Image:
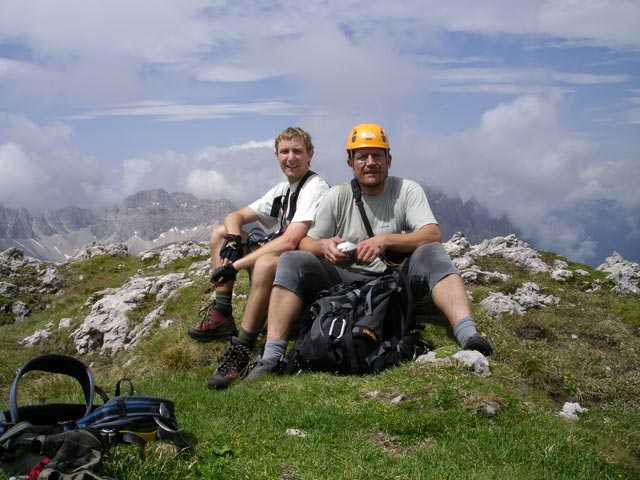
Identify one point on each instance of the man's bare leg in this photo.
(256, 308)
(450, 296)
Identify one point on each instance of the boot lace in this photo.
(234, 359)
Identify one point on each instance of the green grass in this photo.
(586, 350)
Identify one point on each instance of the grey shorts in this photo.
(305, 274)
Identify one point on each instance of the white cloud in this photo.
(168, 111)
(159, 31)
(229, 73)
(134, 171)
(240, 173)
(202, 182)
(519, 161)
(40, 168)
(20, 175)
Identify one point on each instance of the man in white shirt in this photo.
(286, 212)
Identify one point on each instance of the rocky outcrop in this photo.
(528, 296)
(625, 275)
(525, 298)
(94, 249)
(19, 276)
(171, 253)
(513, 250)
(109, 328)
(106, 329)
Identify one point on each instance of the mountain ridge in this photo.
(142, 221)
(155, 218)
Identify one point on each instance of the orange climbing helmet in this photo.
(367, 135)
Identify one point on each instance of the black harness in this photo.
(279, 208)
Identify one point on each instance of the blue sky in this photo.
(533, 108)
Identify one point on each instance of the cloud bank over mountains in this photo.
(532, 108)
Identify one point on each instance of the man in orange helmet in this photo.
(400, 222)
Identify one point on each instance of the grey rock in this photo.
(107, 330)
(514, 250)
(8, 290)
(525, 298)
(39, 337)
(176, 251)
(474, 361)
(19, 311)
(570, 411)
(94, 249)
(625, 274)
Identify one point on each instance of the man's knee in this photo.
(296, 260)
(432, 263)
(265, 267)
(292, 268)
(217, 235)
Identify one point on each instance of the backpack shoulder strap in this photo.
(55, 363)
(357, 196)
(294, 196)
(280, 203)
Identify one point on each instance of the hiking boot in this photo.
(260, 368)
(479, 343)
(234, 361)
(215, 325)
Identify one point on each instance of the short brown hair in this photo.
(293, 132)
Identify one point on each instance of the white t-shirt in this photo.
(306, 206)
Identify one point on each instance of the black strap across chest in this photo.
(357, 196)
(280, 203)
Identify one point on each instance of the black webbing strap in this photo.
(357, 196)
(280, 203)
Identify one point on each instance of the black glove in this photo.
(232, 247)
(224, 274)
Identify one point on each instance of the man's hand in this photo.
(330, 252)
(224, 274)
(231, 248)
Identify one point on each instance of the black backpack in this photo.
(129, 418)
(359, 328)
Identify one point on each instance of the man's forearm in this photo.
(408, 242)
(284, 243)
(309, 244)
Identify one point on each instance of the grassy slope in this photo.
(586, 350)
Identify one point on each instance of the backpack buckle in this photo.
(342, 327)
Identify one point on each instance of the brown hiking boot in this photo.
(232, 363)
(215, 325)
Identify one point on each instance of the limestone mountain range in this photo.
(155, 218)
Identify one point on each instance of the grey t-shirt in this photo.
(401, 207)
